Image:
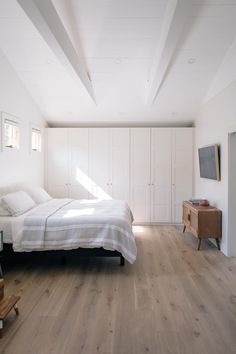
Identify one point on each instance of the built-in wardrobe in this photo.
(150, 168)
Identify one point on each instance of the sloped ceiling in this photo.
(118, 41)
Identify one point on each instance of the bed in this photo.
(104, 226)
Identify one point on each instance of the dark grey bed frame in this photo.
(81, 252)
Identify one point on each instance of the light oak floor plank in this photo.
(173, 300)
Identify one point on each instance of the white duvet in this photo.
(70, 224)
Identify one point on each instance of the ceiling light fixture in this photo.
(191, 60)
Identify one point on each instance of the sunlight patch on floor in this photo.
(138, 229)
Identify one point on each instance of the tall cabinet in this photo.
(140, 173)
(161, 168)
(120, 166)
(161, 173)
(150, 168)
(80, 184)
(182, 170)
(109, 162)
(57, 162)
(68, 163)
(99, 162)
(88, 163)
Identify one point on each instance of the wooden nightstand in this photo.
(1, 249)
(7, 303)
(203, 221)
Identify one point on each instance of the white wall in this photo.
(19, 166)
(216, 119)
(225, 75)
(232, 194)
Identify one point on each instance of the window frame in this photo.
(6, 117)
(35, 128)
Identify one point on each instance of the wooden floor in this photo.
(172, 300)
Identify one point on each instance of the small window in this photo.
(11, 134)
(36, 137)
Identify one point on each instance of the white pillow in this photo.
(3, 211)
(39, 195)
(18, 203)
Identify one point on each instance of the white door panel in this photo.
(99, 161)
(120, 164)
(80, 181)
(141, 194)
(177, 212)
(160, 212)
(57, 162)
(182, 170)
(59, 191)
(161, 174)
(140, 174)
(183, 154)
(183, 138)
(161, 195)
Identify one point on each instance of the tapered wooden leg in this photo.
(122, 261)
(199, 244)
(1, 327)
(16, 310)
(184, 228)
(218, 243)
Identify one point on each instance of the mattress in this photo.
(6, 227)
(7, 224)
(64, 224)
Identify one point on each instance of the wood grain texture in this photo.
(172, 300)
(7, 304)
(203, 221)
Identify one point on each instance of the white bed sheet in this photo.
(110, 227)
(71, 224)
(6, 227)
(7, 223)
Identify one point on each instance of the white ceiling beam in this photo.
(174, 21)
(43, 15)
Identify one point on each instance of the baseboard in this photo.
(156, 224)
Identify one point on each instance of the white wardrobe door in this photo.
(80, 182)
(140, 174)
(57, 162)
(182, 170)
(161, 153)
(120, 167)
(99, 162)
